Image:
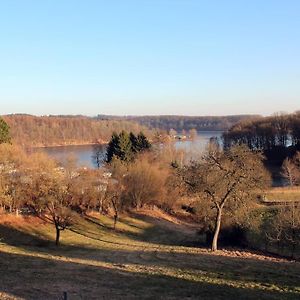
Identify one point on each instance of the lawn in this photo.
(147, 257)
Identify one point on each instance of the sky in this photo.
(149, 57)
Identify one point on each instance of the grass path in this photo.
(144, 259)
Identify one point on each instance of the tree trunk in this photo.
(101, 205)
(57, 236)
(214, 245)
(115, 220)
(116, 214)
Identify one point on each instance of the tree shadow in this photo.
(18, 238)
(156, 234)
(31, 277)
(163, 232)
(216, 267)
(95, 221)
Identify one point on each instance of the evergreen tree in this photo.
(112, 147)
(124, 149)
(124, 146)
(142, 142)
(4, 132)
(120, 147)
(134, 142)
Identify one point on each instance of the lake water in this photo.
(84, 153)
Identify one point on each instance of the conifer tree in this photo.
(142, 142)
(124, 146)
(112, 147)
(4, 132)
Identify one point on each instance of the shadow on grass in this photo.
(95, 221)
(157, 234)
(164, 232)
(202, 264)
(160, 234)
(40, 278)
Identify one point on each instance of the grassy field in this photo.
(148, 257)
(283, 194)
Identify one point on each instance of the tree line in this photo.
(266, 133)
(180, 123)
(30, 130)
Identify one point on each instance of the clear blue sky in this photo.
(149, 57)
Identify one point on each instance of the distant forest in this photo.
(278, 136)
(179, 123)
(28, 130)
(42, 131)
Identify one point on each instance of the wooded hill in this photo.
(278, 136)
(179, 123)
(31, 130)
(265, 133)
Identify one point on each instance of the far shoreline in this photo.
(103, 143)
(65, 145)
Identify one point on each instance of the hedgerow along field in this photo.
(149, 256)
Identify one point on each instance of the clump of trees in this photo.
(265, 133)
(284, 228)
(124, 146)
(277, 229)
(59, 195)
(35, 182)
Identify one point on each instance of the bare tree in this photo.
(226, 179)
(284, 227)
(114, 196)
(290, 171)
(98, 155)
(46, 190)
(193, 133)
(144, 184)
(61, 216)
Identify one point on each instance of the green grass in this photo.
(145, 258)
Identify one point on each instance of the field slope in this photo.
(146, 258)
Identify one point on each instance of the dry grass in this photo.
(283, 194)
(146, 258)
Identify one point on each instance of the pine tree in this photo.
(120, 147)
(112, 148)
(124, 150)
(142, 142)
(134, 142)
(124, 146)
(4, 132)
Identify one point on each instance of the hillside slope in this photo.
(65, 130)
(145, 258)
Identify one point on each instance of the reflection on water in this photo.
(84, 153)
(197, 146)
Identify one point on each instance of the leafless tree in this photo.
(290, 171)
(226, 179)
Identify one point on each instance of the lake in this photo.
(84, 153)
